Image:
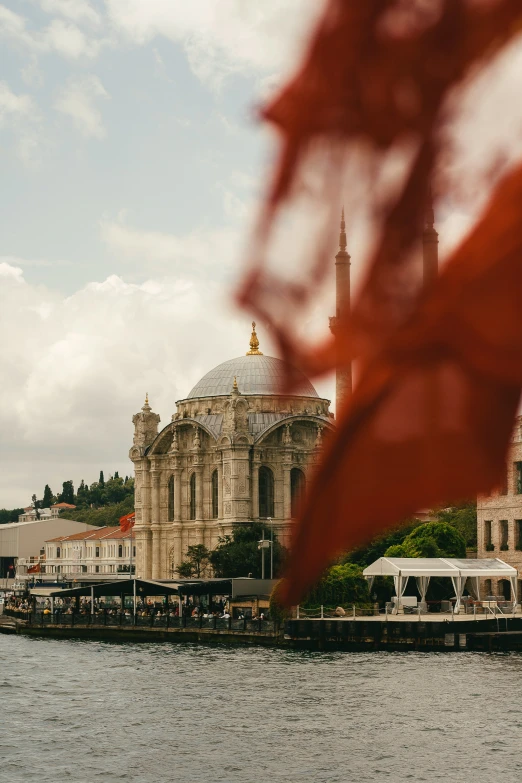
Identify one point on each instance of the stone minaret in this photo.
(430, 246)
(343, 377)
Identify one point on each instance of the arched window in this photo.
(297, 488)
(266, 492)
(171, 499)
(192, 489)
(215, 495)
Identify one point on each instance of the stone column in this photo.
(287, 492)
(156, 551)
(177, 494)
(199, 492)
(176, 543)
(155, 523)
(254, 486)
(220, 489)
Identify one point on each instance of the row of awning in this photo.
(144, 588)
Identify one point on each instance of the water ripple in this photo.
(161, 713)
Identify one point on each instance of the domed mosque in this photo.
(235, 450)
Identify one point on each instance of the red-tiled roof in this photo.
(94, 535)
(63, 505)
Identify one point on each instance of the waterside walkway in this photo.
(398, 632)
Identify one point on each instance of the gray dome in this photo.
(256, 374)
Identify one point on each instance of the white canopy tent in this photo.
(423, 568)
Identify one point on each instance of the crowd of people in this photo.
(149, 607)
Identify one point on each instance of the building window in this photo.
(215, 495)
(120, 550)
(503, 535)
(297, 488)
(97, 551)
(58, 552)
(97, 569)
(518, 533)
(487, 588)
(134, 551)
(192, 491)
(518, 478)
(266, 492)
(488, 543)
(171, 500)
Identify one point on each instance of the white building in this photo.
(102, 550)
(30, 515)
(21, 541)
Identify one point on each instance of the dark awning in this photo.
(144, 587)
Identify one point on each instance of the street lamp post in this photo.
(262, 545)
(271, 548)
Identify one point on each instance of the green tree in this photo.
(341, 584)
(36, 506)
(464, 519)
(432, 539)
(10, 515)
(115, 490)
(82, 495)
(67, 493)
(195, 563)
(365, 556)
(238, 555)
(101, 480)
(48, 498)
(116, 474)
(105, 515)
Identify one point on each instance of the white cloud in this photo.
(20, 114)
(221, 38)
(68, 40)
(75, 369)
(199, 249)
(12, 105)
(62, 37)
(76, 10)
(78, 100)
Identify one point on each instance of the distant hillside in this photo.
(106, 515)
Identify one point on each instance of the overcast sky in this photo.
(130, 166)
(130, 163)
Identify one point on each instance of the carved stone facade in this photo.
(499, 518)
(236, 450)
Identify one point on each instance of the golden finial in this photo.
(146, 406)
(254, 343)
(146, 398)
(235, 383)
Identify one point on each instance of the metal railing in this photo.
(109, 618)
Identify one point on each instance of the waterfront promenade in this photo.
(379, 633)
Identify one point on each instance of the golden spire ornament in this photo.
(254, 343)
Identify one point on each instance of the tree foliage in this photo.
(365, 556)
(105, 515)
(196, 562)
(67, 493)
(341, 584)
(48, 497)
(10, 515)
(464, 519)
(432, 539)
(238, 555)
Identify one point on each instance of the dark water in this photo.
(85, 711)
